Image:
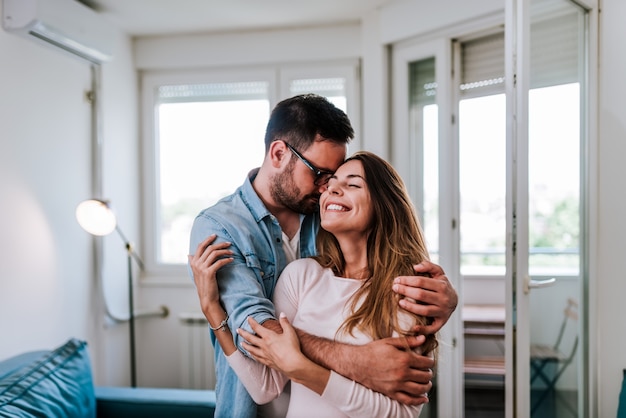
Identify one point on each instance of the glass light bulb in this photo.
(96, 217)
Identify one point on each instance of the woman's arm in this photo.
(356, 400)
(281, 351)
(204, 265)
(262, 383)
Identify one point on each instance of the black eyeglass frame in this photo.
(321, 176)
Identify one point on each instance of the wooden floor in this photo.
(484, 402)
(488, 402)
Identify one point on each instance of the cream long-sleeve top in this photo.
(318, 302)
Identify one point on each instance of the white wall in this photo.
(249, 48)
(48, 290)
(45, 286)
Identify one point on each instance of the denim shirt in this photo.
(247, 284)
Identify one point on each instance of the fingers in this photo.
(414, 393)
(209, 257)
(256, 327)
(260, 331)
(406, 342)
(285, 324)
(249, 337)
(428, 269)
(430, 310)
(431, 284)
(408, 399)
(432, 296)
(432, 328)
(254, 343)
(205, 250)
(422, 364)
(201, 248)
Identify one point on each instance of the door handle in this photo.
(537, 284)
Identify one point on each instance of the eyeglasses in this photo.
(321, 176)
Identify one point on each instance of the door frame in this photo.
(517, 85)
(450, 387)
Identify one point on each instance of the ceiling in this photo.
(169, 17)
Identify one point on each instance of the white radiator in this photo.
(197, 367)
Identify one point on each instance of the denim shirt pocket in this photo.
(265, 270)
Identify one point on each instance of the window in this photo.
(199, 149)
(198, 129)
(554, 147)
(423, 117)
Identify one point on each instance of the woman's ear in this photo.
(279, 153)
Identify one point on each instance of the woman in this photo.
(370, 234)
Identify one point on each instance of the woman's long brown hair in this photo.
(395, 243)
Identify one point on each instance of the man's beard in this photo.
(285, 192)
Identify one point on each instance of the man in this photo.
(273, 219)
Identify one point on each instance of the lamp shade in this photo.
(96, 217)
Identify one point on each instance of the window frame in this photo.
(277, 77)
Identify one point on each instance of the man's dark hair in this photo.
(299, 119)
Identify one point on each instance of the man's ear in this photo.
(279, 154)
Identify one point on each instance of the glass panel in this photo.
(554, 180)
(200, 138)
(482, 172)
(424, 143)
(423, 181)
(482, 229)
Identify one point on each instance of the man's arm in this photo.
(240, 291)
(403, 375)
(429, 294)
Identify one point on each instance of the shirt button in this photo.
(262, 274)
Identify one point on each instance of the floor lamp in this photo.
(96, 217)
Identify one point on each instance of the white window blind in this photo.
(327, 87)
(554, 57)
(213, 92)
(483, 65)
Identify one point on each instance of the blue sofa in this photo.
(58, 383)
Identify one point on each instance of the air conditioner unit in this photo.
(66, 24)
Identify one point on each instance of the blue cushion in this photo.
(621, 406)
(48, 384)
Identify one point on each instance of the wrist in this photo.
(217, 318)
(309, 374)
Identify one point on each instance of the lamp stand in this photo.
(96, 217)
(131, 317)
(131, 305)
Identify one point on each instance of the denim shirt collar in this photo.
(251, 198)
(309, 224)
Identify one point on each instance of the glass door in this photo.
(489, 132)
(545, 255)
(481, 128)
(424, 154)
